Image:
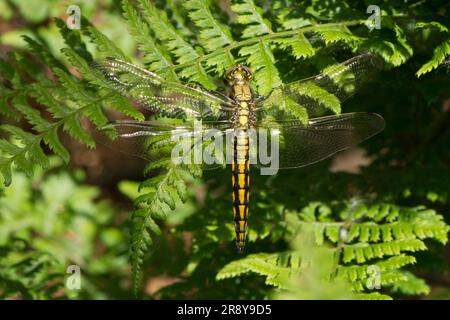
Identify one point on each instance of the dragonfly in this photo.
(293, 112)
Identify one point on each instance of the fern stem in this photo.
(267, 37)
(38, 137)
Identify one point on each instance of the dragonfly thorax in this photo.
(242, 115)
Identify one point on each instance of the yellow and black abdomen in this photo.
(241, 185)
(241, 92)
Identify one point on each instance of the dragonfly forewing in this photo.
(158, 95)
(325, 92)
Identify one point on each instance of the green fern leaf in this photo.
(160, 198)
(72, 38)
(175, 43)
(103, 43)
(262, 61)
(251, 15)
(439, 54)
(143, 231)
(32, 115)
(73, 127)
(45, 97)
(300, 46)
(43, 52)
(362, 252)
(232, 270)
(213, 35)
(52, 140)
(5, 169)
(411, 285)
(373, 296)
(431, 25)
(158, 60)
(339, 34)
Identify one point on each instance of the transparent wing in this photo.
(154, 93)
(154, 140)
(326, 91)
(301, 145)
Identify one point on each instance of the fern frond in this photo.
(175, 43)
(369, 238)
(372, 296)
(362, 271)
(43, 52)
(32, 115)
(300, 46)
(411, 285)
(158, 60)
(44, 96)
(103, 43)
(339, 33)
(262, 61)
(268, 265)
(161, 196)
(166, 33)
(213, 35)
(5, 109)
(362, 252)
(439, 55)
(90, 100)
(59, 99)
(51, 138)
(250, 15)
(286, 38)
(400, 223)
(23, 156)
(294, 23)
(431, 25)
(143, 234)
(72, 38)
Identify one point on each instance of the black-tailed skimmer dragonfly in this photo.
(239, 127)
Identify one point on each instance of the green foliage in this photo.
(365, 239)
(318, 278)
(50, 223)
(28, 273)
(153, 54)
(162, 195)
(440, 52)
(282, 41)
(213, 34)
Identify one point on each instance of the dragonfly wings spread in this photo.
(156, 94)
(297, 144)
(301, 145)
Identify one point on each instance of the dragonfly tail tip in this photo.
(240, 248)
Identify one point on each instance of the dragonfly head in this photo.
(239, 73)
